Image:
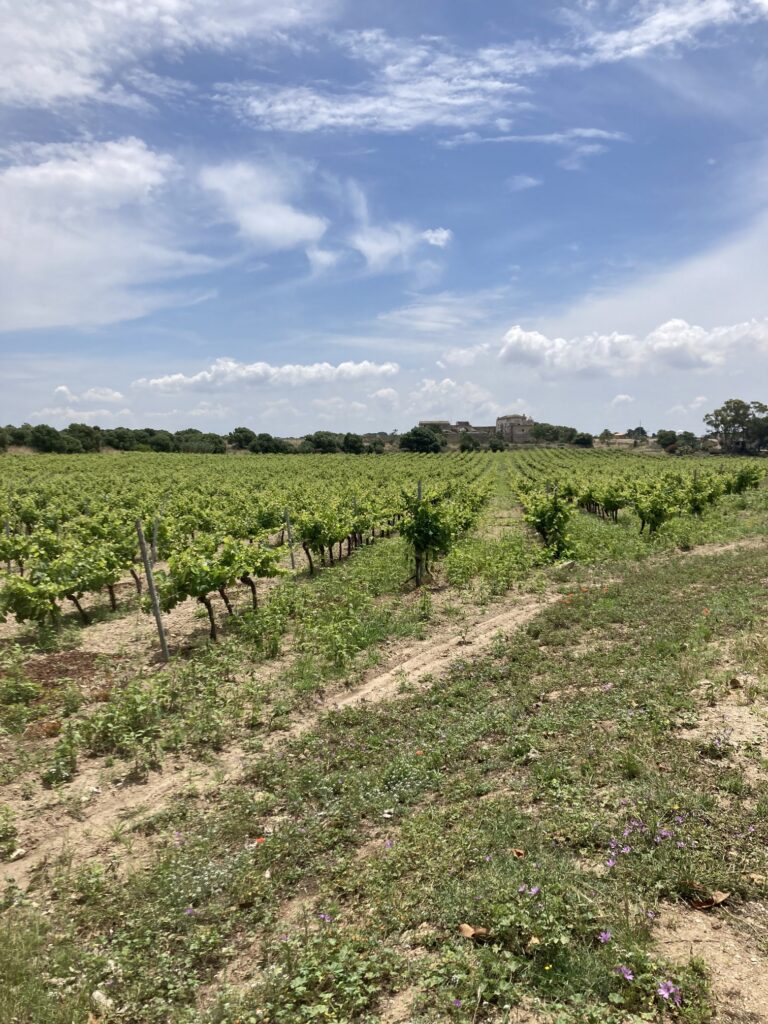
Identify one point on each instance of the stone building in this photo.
(515, 428)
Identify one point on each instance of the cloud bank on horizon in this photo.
(215, 212)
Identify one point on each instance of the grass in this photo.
(497, 797)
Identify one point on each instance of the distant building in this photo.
(516, 428)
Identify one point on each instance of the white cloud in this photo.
(227, 372)
(330, 409)
(693, 290)
(427, 82)
(259, 199)
(464, 356)
(521, 182)
(57, 50)
(444, 313)
(450, 399)
(102, 395)
(390, 245)
(666, 25)
(618, 400)
(95, 394)
(675, 345)
(441, 237)
(388, 396)
(688, 407)
(81, 242)
(69, 414)
(323, 260)
(412, 85)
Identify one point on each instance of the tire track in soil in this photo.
(56, 835)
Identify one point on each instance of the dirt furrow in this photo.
(52, 834)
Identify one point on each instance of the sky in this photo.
(352, 214)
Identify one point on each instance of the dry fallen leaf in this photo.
(470, 931)
(532, 943)
(518, 853)
(714, 900)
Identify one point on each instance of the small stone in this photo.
(101, 1001)
(18, 854)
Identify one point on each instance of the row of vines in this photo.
(70, 530)
(552, 485)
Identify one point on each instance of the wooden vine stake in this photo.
(289, 533)
(152, 590)
(418, 553)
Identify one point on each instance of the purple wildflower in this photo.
(668, 990)
(457, 1003)
(325, 917)
(625, 973)
(534, 890)
(521, 888)
(605, 937)
(626, 849)
(190, 911)
(611, 862)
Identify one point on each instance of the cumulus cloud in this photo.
(618, 400)
(96, 394)
(225, 372)
(55, 50)
(81, 242)
(675, 344)
(259, 199)
(451, 399)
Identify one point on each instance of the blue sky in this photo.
(353, 215)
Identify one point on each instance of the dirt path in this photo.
(50, 832)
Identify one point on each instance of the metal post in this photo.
(152, 591)
(154, 540)
(290, 538)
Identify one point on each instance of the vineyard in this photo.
(398, 710)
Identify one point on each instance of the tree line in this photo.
(735, 428)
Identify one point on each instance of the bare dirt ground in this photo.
(731, 945)
(77, 823)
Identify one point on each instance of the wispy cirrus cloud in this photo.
(55, 51)
(429, 82)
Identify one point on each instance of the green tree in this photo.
(242, 437)
(584, 440)
(44, 438)
(729, 424)
(666, 439)
(606, 435)
(422, 439)
(266, 444)
(352, 444)
(467, 443)
(323, 441)
(89, 437)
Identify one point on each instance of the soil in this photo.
(726, 942)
